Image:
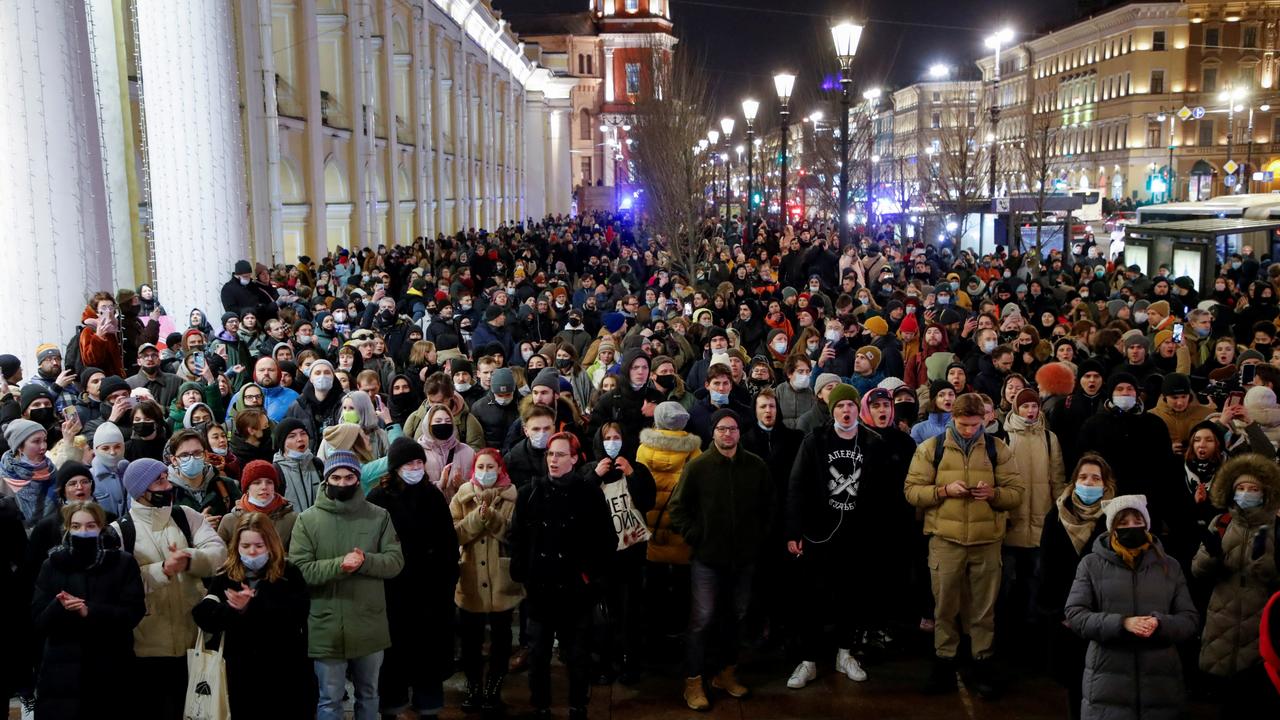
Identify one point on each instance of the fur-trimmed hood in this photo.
(1267, 473)
(677, 441)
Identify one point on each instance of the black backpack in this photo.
(938, 449)
(71, 355)
(129, 533)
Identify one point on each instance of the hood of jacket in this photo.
(1266, 472)
(670, 440)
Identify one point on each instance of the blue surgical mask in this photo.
(612, 447)
(84, 533)
(718, 398)
(1089, 494)
(295, 454)
(1247, 500)
(255, 563)
(191, 466)
(1124, 402)
(989, 347)
(1203, 331)
(539, 440)
(486, 478)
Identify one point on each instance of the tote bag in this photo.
(206, 683)
(627, 521)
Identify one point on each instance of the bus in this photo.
(1091, 205)
(1249, 206)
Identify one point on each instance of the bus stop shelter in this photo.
(1194, 247)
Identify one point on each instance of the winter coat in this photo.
(106, 353)
(1125, 676)
(217, 494)
(468, 427)
(1038, 456)
(932, 426)
(1180, 423)
(268, 639)
(1241, 567)
(458, 457)
(665, 453)
(85, 659)
(723, 507)
(818, 416)
(301, 478)
(485, 584)
(167, 629)
(494, 418)
(525, 462)
(1153, 471)
(1067, 417)
(964, 521)
(316, 414)
(283, 519)
(348, 617)
(792, 404)
(1058, 562)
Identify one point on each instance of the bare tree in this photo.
(957, 174)
(1036, 161)
(668, 123)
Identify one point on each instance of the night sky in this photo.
(746, 41)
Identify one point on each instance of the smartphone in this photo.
(1247, 374)
(1177, 332)
(688, 309)
(69, 414)
(1235, 398)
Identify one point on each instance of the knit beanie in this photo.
(938, 386)
(32, 393)
(341, 459)
(140, 474)
(402, 452)
(112, 384)
(723, 413)
(69, 471)
(670, 415)
(909, 324)
(19, 430)
(108, 432)
(9, 365)
(1176, 384)
(613, 321)
(317, 364)
(876, 326)
(1125, 502)
(286, 426)
(824, 380)
(872, 354)
(258, 470)
(547, 377)
(1159, 306)
(840, 393)
(1024, 396)
(891, 383)
(87, 373)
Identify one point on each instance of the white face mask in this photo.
(411, 477)
(539, 439)
(780, 347)
(462, 387)
(487, 478)
(261, 503)
(1139, 317)
(1124, 402)
(832, 335)
(800, 381)
(612, 447)
(323, 383)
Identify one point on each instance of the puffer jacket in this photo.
(348, 611)
(963, 520)
(665, 453)
(1180, 423)
(167, 630)
(1243, 573)
(470, 431)
(792, 405)
(1127, 677)
(1038, 456)
(485, 584)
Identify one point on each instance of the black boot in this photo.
(982, 677)
(475, 696)
(493, 706)
(942, 678)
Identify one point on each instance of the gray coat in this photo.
(1127, 677)
(793, 405)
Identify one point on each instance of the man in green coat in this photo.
(345, 548)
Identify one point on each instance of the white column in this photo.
(533, 186)
(108, 72)
(608, 75)
(57, 248)
(195, 147)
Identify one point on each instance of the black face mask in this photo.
(84, 550)
(564, 363)
(143, 428)
(160, 498)
(905, 411)
(1132, 537)
(340, 493)
(442, 431)
(42, 416)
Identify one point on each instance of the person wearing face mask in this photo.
(795, 397)
(242, 293)
(196, 484)
(175, 549)
(107, 467)
(261, 492)
(632, 403)
(74, 484)
(346, 548)
(301, 472)
(27, 471)
(420, 598)
(448, 460)
(486, 595)
(1130, 602)
(319, 405)
(1238, 556)
(88, 599)
(258, 602)
(498, 409)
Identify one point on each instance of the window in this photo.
(633, 78)
(1246, 76)
(936, 144)
(1157, 40)
(584, 126)
(1153, 133)
(586, 171)
(1211, 37)
(936, 121)
(937, 96)
(1275, 130)
(1206, 132)
(973, 116)
(1157, 82)
(590, 70)
(1209, 80)
(633, 6)
(1250, 36)
(582, 64)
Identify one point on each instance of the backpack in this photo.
(71, 355)
(129, 533)
(939, 448)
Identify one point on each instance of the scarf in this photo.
(31, 483)
(1077, 518)
(965, 445)
(276, 503)
(1200, 471)
(1130, 557)
(108, 486)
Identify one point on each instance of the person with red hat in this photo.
(261, 489)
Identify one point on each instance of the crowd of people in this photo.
(380, 467)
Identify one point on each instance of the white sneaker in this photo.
(849, 665)
(804, 672)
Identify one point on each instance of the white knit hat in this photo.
(107, 433)
(1118, 505)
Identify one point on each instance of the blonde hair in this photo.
(261, 524)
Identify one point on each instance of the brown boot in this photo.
(694, 696)
(728, 682)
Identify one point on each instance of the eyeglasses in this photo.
(189, 455)
(726, 429)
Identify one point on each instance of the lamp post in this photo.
(1230, 96)
(846, 36)
(996, 41)
(726, 130)
(713, 138)
(749, 109)
(783, 83)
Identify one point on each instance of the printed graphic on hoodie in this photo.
(844, 466)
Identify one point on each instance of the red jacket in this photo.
(100, 352)
(1269, 639)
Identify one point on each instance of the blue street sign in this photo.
(1229, 180)
(1197, 112)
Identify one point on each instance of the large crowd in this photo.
(376, 468)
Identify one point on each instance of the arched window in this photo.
(584, 125)
(589, 70)
(582, 65)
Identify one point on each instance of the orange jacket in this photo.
(100, 352)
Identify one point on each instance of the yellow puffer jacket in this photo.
(168, 630)
(484, 578)
(964, 521)
(1039, 462)
(665, 453)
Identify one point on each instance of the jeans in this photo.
(830, 597)
(332, 677)
(571, 622)
(471, 632)
(712, 588)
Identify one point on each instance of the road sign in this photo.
(1267, 176)
(1229, 180)
(1230, 167)
(1198, 112)
(1002, 205)
(1184, 113)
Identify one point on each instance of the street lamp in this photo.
(996, 41)
(749, 109)
(783, 83)
(726, 127)
(1230, 96)
(846, 36)
(939, 71)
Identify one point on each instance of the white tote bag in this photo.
(627, 520)
(206, 683)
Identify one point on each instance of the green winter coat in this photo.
(348, 610)
(723, 507)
